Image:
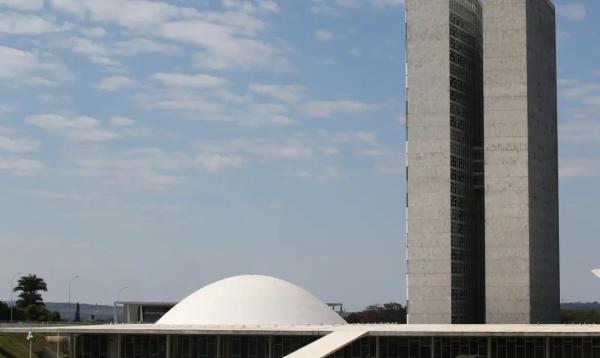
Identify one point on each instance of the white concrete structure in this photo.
(251, 300)
(264, 317)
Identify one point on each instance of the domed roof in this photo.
(250, 300)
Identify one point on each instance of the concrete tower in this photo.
(482, 182)
(444, 138)
(521, 162)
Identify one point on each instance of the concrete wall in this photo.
(543, 163)
(521, 201)
(428, 162)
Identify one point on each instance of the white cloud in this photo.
(371, 152)
(214, 105)
(354, 52)
(578, 90)
(572, 11)
(226, 46)
(115, 83)
(23, 5)
(327, 109)
(13, 23)
(138, 14)
(17, 67)
(140, 45)
(324, 36)
(18, 145)
(150, 168)
(582, 108)
(301, 147)
(95, 52)
(384, 3)
(75, 129)
(580, 131)
(393, 168)
(363, 137)
(562, 35)
(15, 63)
(53, 98)
(293, 148)
(226, 39)
(251, 6)
(4, 109)
(329, 6)
(578, 167)
(21, 166)
(121, 121)
(321, 175)
(60, 195)
(215, 162)
(332, 7)
(286, 93)
(94, 32)
(191, 81)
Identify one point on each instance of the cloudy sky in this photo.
(164, 145)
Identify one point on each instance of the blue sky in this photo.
(164, 145)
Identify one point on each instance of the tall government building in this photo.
(482, 168)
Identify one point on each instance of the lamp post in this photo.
(12, 291)
(70, 283)
(596, 272)
(118, 299)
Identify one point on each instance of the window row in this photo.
(467, 9)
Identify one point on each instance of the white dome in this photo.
(250, 300)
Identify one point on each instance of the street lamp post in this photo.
(596, 272)
(12, 291)
(70, 283)
(118, 299)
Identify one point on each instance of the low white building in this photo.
(265, 317)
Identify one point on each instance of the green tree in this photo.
(29, 288)
(54, 316)
(580, 316)
(77, 313)
(387, 313)
(35, 313)
(4, 311)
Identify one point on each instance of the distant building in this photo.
(482, 169)
(141, 311)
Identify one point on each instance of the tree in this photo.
(579, 316)
(4, 311)
(30, 304)
(29, 288)
(54, 316)
(77, 313)
(35, 313)
(387, 313)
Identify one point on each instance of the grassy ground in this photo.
(14, 346)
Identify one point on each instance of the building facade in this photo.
(255, 316)
(521, 162)
(349, 341)
(480, 132)
(444, 161)
(141, 311)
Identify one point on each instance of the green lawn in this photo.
(14, 346)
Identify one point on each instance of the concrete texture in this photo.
(428, 161)
(521, 170)
(444, 281)
(499, 261)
